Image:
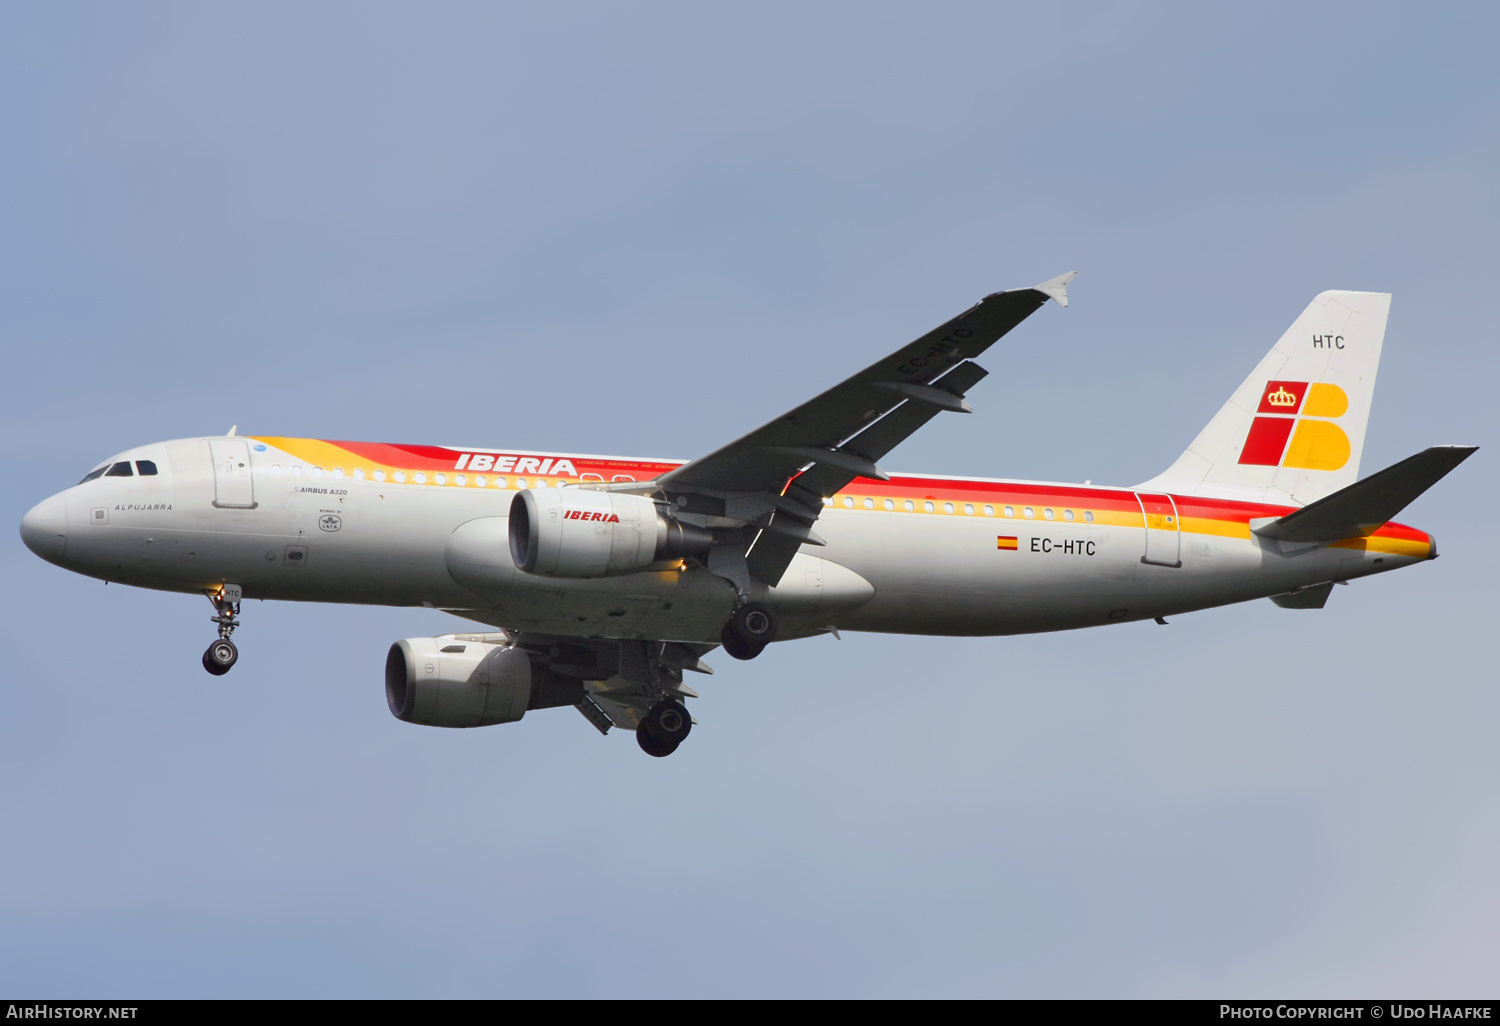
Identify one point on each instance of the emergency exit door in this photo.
(1163, 530)
(233, 488)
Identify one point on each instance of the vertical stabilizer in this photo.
(1294, 431)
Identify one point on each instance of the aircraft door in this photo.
(233, 488)
(1163, 530)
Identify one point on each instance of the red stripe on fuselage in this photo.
(437, 457)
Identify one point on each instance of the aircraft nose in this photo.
(45, 528)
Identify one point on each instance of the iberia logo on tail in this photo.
(1304, 413)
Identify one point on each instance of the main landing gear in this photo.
(222, 654)
(664, 727)
(749, 631)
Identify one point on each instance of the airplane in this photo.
(598, 581)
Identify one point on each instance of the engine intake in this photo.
(444, 682)
(575, 532)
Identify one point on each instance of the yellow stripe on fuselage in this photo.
(323, 454)
(1390, 546)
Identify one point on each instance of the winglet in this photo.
(1057, 288)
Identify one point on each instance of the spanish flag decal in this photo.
(1006, 542)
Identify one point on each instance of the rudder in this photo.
(1294, 431)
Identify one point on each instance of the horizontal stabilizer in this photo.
(1366, 505)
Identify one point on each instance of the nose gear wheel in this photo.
(220, 656)
(223, 654)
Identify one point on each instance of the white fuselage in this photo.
(308, 535)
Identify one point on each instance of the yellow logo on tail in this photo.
(1296, 441)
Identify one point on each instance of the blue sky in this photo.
(645, 230)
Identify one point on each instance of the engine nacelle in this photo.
(446, 682)
(577, 532)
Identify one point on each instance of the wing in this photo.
(771, 482)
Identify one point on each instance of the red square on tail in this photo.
(1282, 397)
(1266, 441)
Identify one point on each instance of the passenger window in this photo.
(119, 470)
(947, 507)
(909, 505)
(889, 504)
(1088, 516)
(869, 503)
(146, 468)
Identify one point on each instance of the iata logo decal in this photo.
(583, 514)
(1308, 407)
(329, 523)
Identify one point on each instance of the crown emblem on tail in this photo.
(1281, 397)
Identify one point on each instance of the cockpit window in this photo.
(119, 470)
(96, 472)
(146, 468)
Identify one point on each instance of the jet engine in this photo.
(576, 532)
(447, 682)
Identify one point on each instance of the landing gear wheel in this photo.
(653, 745)
(754, 623)
(221, 655)
(663, 728)
(668, 720)
(749, 631)
(737, 648)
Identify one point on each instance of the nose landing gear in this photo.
(749, 631)
(222, 654)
